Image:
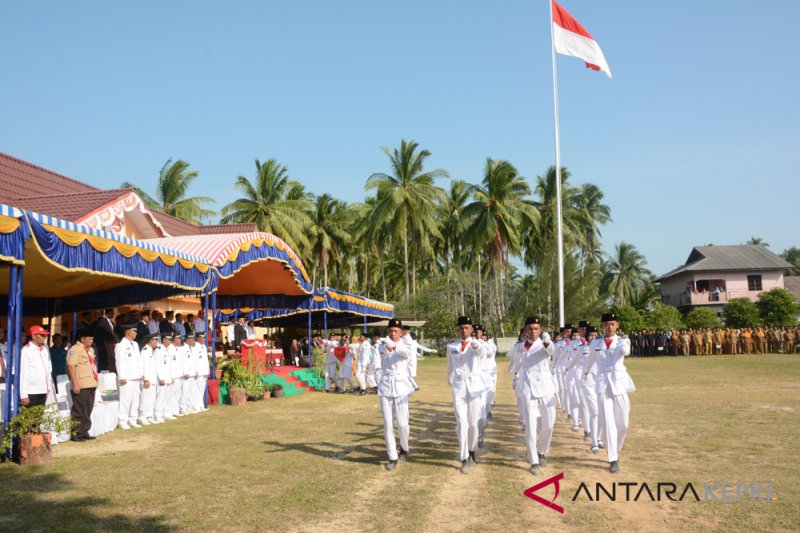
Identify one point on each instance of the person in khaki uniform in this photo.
(789, 340)
(747, 341)
(719, 341)
(697, 342)
(708, 341)
(686, 342)
(82, 371)
(758, 337)
(778, 334)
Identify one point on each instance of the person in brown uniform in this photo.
(719, 341)
(758, 337)
(708, 340)
(778, 333)
(746, 338)
(697, 341)
(789, 340)
(686, 342)
(674, 342)
(82, 371)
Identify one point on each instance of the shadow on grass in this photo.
(36, 501)
(433, 439)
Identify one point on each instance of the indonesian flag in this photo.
(571, 39)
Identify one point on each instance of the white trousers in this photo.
(573, 389)
(163, 393)
(615, 414)
(520, 401)
(200, 393)
(175, 398)
(345, 374)
(398, 406)
(360, 374)
(147, 402)
(330, 374)
(188, 389)
(129, 402)
(589, 413)
(372, 377)
(540, 415)
(468, 414)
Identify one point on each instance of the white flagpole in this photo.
(558, 178)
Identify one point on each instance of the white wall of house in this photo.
(731, 285)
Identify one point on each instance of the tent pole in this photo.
(325, 324)
(365, 324)
(12, 332)
(74, 327)
(18, 338)
(213, 356)
(310, 343)
(214, 334)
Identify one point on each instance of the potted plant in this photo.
(33, 426)
(235, 375)
(253, 386)
(276, 389)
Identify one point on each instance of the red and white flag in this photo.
(571, 39)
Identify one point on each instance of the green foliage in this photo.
(741, 313)
(792, 255)
(778, 307)
(275, 387)
(36, 421)
(629, 318)
(664, 317)
(702, 317)
(318, 359)
(233, 372)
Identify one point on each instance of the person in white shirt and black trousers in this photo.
(35, 382)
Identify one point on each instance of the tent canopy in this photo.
(84, 267)
(248, 263)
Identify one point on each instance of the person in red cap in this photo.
(35, 368)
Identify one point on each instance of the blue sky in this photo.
(695, 140)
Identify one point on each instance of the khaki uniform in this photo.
(83, 402)
(686, 342)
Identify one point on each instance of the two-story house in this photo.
(713, 275)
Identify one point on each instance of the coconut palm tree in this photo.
(173, 184)
(792, 255)
(328, 234)
(625, 272)
(406, 200)
(757, 241)
(277, 205)
(500, 210)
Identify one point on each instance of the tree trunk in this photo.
(383, 275)
(405, 260)
(480, 289)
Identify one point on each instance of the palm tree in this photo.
(275, 203)
(500, 210)
(406, 200)
(173, 184)
(451, 217)
(625, 272)
(757, 241)
(792, 255)
(327, 234)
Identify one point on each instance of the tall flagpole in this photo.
(560, 230)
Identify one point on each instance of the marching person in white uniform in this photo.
(572, 379)
(374, 368)
(363, 360)
(489, 370)
(201, 371)
(560, 364)
(129, 377)
(164, 375)
(346, 369)
(530, 360)
(394, 388)
(612, 387)
(589, 412)
(147, 403)
(417, 347)
(465, 375)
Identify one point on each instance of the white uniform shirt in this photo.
(149, 364)
(610, 360)
(465, 366)
(330, 358)
(200, 357)
(35, 369)
(532, 366)
(175, 362)
(231, 333)
(187, 362)
(128, 359)
(162, 364)
(394, 381)
(364, 354)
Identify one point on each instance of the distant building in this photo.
(713, 275)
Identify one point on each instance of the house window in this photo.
(754, 282)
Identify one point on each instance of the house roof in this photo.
(71, 206)
(179, 228)
(18, 179)
(729, 258)
(792, 284)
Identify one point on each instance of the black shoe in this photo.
(613, 467)
(472, 458)
(534, 469)
(89, 437)
(586, 436)
(542, 460)
(402, 457)
(362, 393)
(465, 466)
(326, 390)
(416, 388)
(77, 438)
(489, 416)
(480, 441)
(390, 466)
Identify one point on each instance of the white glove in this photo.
(475, 344)
(389, 343)
(546, 338)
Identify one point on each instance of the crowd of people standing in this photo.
(716, 341)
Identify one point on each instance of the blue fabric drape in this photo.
(257, 253)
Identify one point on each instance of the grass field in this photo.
(313, 463)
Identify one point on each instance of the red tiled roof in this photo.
(247, 227)
(178, 228)
(71, 206)
(18, 179)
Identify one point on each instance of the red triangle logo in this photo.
(531, 492)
